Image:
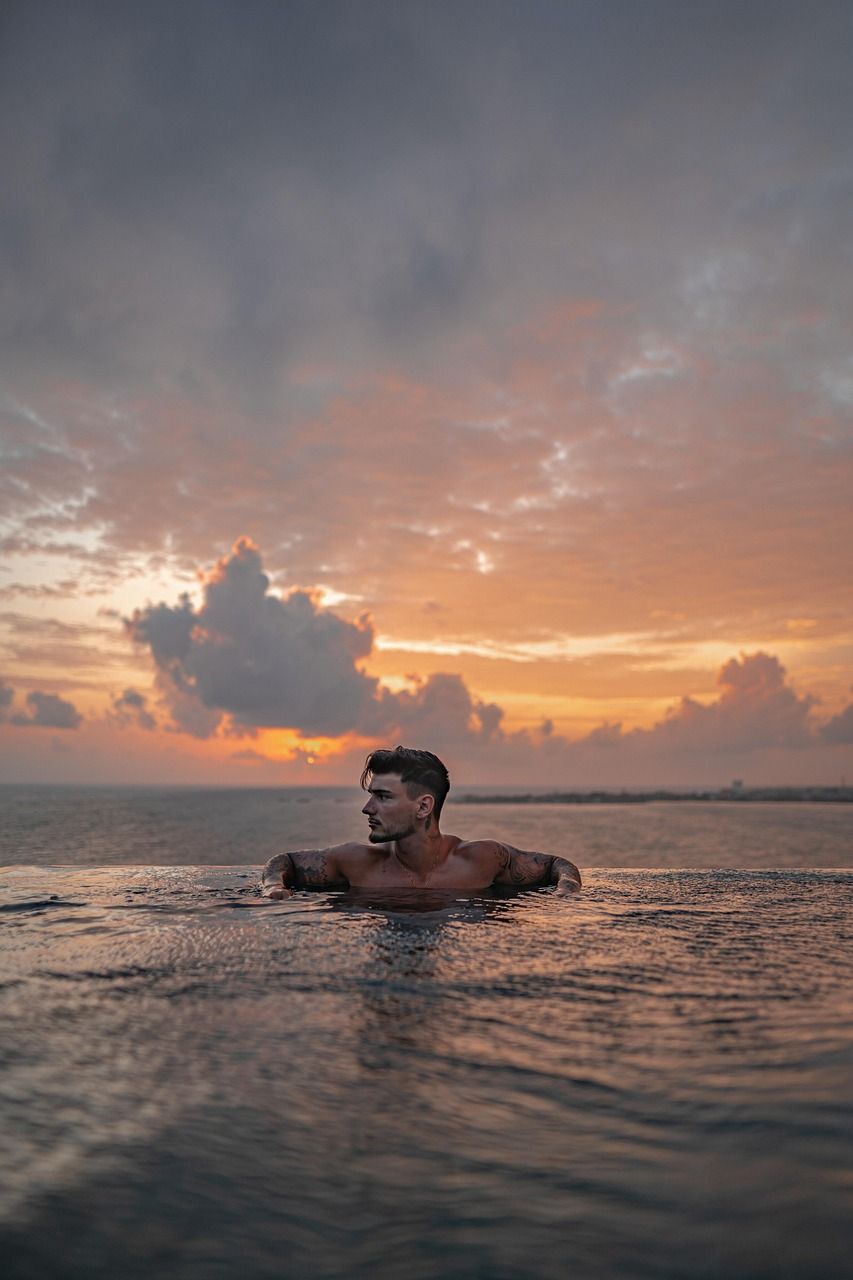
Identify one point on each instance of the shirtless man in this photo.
(406, 849)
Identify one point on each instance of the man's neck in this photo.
(422, 850)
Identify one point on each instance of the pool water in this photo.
(651, 1080)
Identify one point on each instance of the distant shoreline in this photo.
(760, 795)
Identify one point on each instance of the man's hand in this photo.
(275, 877)
(567, 877)
(567, 887)
(276, 891)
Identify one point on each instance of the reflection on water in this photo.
(651, 1079)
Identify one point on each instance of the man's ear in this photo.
(426, 804)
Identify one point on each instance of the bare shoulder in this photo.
(352, 848)
(350, 854)
(482, 851)
(324, 868)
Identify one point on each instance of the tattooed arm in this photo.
(521, 868)
(302, 869)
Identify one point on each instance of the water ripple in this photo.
(522, 1086)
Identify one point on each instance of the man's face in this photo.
(390, 809)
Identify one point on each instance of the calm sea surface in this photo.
(112, 826)
(652, 1080)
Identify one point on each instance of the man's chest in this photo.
(454, 873)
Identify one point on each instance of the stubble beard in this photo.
(385, 837)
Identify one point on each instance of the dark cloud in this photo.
(264, 660)
(131, 708)
(207, 193)
(49, 711)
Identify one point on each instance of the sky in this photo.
(472, 375)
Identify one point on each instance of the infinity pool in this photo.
(653, 1080)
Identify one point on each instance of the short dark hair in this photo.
(412, 766)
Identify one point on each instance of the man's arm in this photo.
(522, 868)
(302, 869)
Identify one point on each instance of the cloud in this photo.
(194, 228)
(49, 711)
(604, 735)
(194, 245)
(442, 710)
(757, 722)
(266, 661)
(55, 645)
(756, 716)
(756, 709)
(130, 708)
(61, 590)
(840, 728)
(246, 659)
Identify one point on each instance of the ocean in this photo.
(654, 1079)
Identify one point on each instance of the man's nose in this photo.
(367, 807)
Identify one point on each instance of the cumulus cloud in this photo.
(264, 660)
(49, 711)
(755, 711)
(440, 709)
(131, 708)
(840, 728)
(757, 718)
(604, 735)
(756, 708)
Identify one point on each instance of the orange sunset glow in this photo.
(505, 413)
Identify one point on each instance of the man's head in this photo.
(407, 789)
